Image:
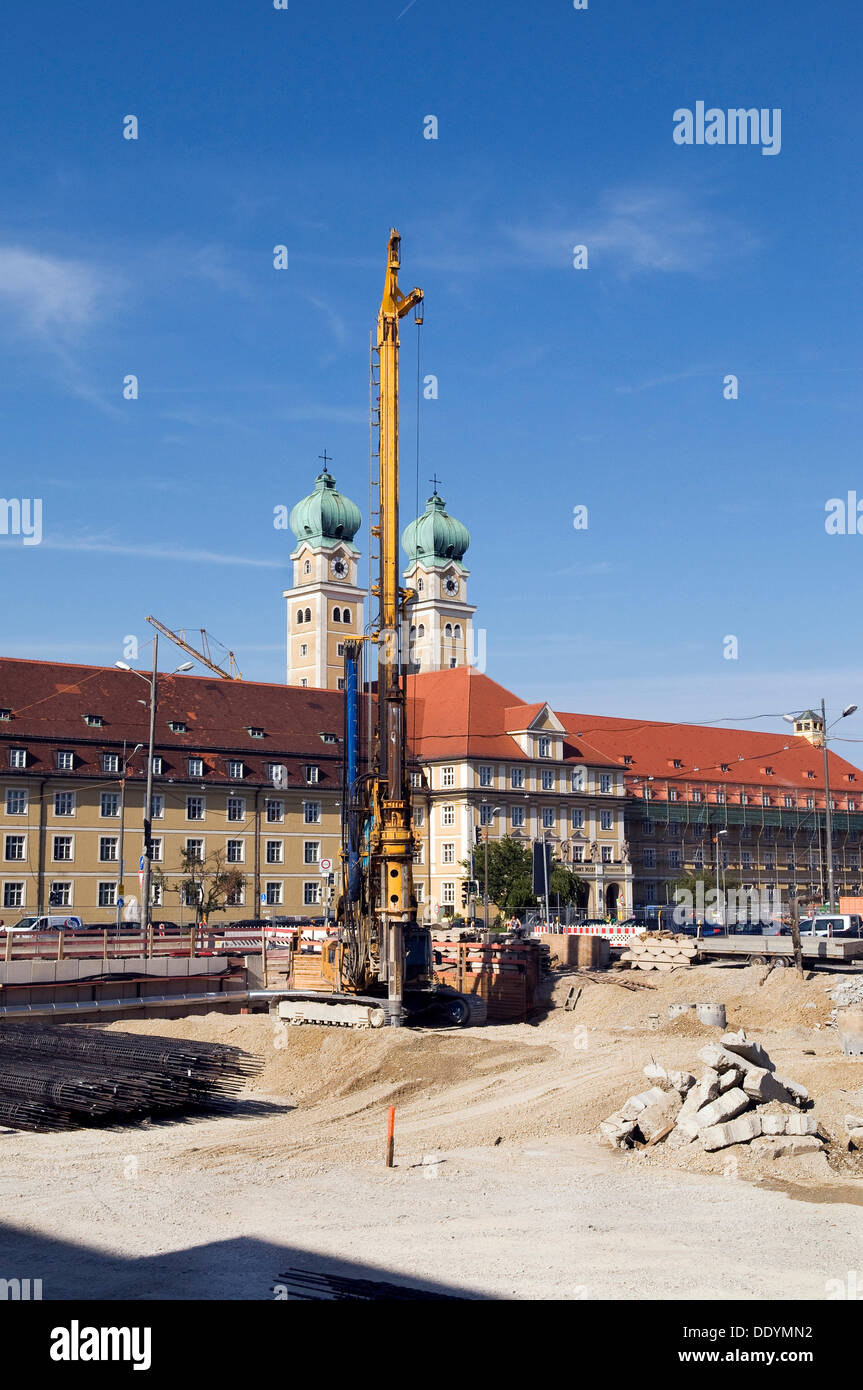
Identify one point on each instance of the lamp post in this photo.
(494, 812)
(720, 894)
(828, 810)
(148, 796)
(121, 882)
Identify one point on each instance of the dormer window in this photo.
(177, 726)
(196, 767)
(17, 757)
(768, 771)
(95, 721)
(676, 763)
(5, 714)
(724, 767)
(811, 776)
(627, 760)
(545, 747)
(254, 732)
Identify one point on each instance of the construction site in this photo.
(505, 1182)
(383, 1108)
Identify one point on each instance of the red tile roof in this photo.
(654, 746)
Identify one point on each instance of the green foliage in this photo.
(510, 875)
(209, 882)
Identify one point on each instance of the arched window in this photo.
(308, 617)
(457, 632)
(307, 567)
(413, 634)
(337, 615)
(420, 586)
(447, 632)
(299, 615)
(346, 615)
(422, 631)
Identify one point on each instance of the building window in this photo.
(195, 851)
(673, 858)
(311, 893)
(236, 769)
(576, 818)
(788, 801)
(516, 816)
(447, 776)
(95, 721)
(65, 761)
(486, 815)
(420, 892)
(673, 794)
(649, 858)
(311, 771)
(61, 894)
(545, 747)
(275, 852)
(196, 767)
(311, 851)
(547, 777)
(810, 803)
(606, 854)
(64, 803)
(109, 805)
(276, 774)
(107, 848)
(158, 764)
(577, 779)
(15, 846)
(158, 806)
(648, 828)
(486, 776)
(234, 852)
(448, 852)
(606, 820)
(578, 854)
(275, 811)
(236, 808)
(516, 778)
(447, 815)
(13, 894)
(195, 808)
(416, 780)
(237, 896)
(176, 726)
(447, 895)
(548, 817)
(697, 795)
(418, 855)
(419, 816)
(156, 850)
(311, 812)
(765, 799)
(110, 762)
(605, 782)
(254, 732)
(62, 850)
(746, 858)
(720, 798)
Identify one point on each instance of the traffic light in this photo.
(465, 887)
(477, 835)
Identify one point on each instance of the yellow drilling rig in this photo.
(377, 966)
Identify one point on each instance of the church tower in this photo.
(441, 630)
(325, 603)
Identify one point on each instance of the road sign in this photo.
(325, 866)
(263, 897)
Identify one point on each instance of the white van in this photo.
(40, 924)
(847, 924)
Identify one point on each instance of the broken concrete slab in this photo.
(730, 1078)
(799, 1094)
(634, 1106)
(617, 1131)
(725, 1107)
(763, 1086)
(801, 1124)
(792, 1146)
(853, 1122)
(772, 1123)
(855, 1138)
(737, 1131)
(719, 1058)
(682, 1081)
(659, 1117)
(748, 1049)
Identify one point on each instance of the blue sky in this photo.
(557, 387)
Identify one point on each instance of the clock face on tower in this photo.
(450, 586)
(339, 568)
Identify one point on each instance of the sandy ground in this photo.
(501, 1188)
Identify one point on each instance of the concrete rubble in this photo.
(844, 995)
(738, 1099)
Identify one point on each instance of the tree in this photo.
(510, 875)
(207, 883)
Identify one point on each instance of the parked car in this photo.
(32, 925)
(841, 924)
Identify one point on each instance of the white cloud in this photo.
(162, 552)
(48, 294)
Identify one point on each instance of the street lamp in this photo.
(828, 810)
(722, 893)
(121, 889)
(494, 811)
(148, 797)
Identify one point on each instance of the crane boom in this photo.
(180, 640)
